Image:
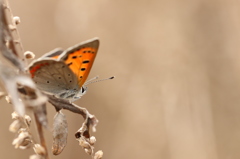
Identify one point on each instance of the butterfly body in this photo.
(63, 73)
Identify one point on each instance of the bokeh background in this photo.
(177, 87)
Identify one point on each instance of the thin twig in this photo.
(41, 135)
(11, 23)
(6, 37)
(90, 120)
(59, 104)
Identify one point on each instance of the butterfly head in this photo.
(76, 94)
(79, 94)
(72, 94)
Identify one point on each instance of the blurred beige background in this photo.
(177, 67)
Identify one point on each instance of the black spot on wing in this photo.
(86, 61)
(69, 63)
(74, 57)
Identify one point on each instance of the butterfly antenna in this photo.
(92, 80)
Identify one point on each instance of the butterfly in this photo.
(63, 73)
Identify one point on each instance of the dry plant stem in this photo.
(41, 136)
(9, 52)
(64, 104)
(14, 41)
(90, 120)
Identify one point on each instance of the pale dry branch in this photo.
(7, 44)
(12, 22)
(90, 120)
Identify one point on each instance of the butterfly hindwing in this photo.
(53, 76)
(80, 58)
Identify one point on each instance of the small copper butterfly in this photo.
(63, 73)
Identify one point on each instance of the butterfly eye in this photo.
(83, 90)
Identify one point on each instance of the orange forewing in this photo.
(80, 62)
